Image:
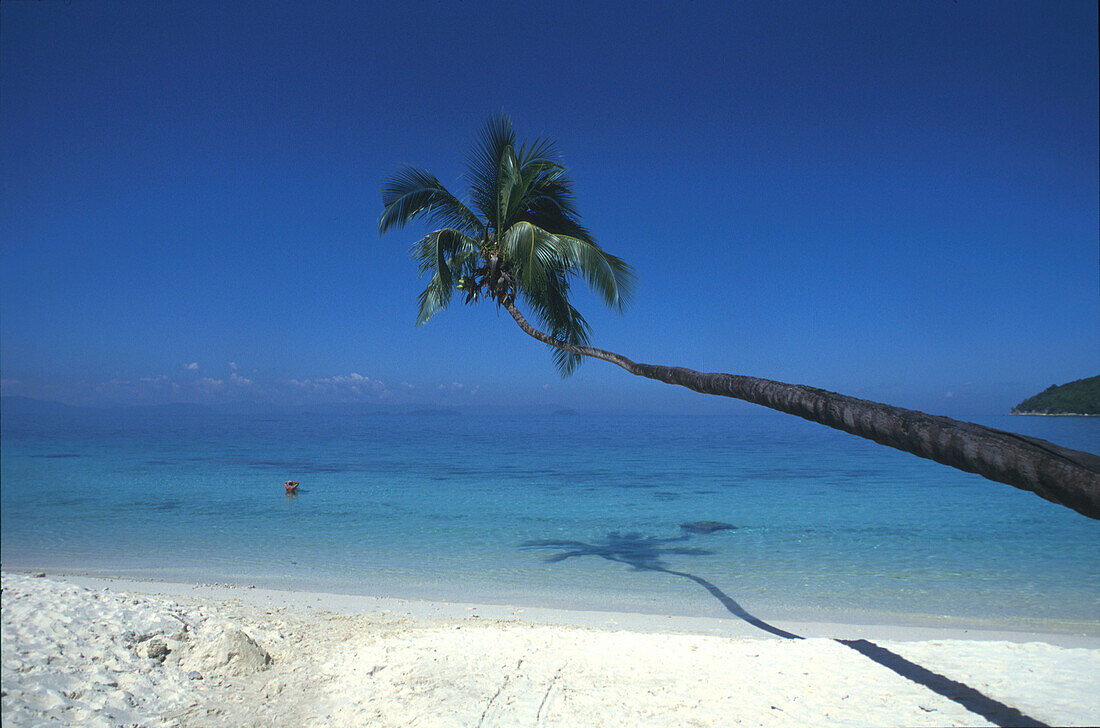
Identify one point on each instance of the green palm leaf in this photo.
(483, 166)
(550, 304)
(433, 298)
(511, 187)
(447, 254)
(532, 253)
(610, 276)
(410, 192)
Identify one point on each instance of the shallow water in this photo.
(563, 510)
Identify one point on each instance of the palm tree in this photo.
(521, 236)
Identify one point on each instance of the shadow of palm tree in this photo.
(643, 553)
(646, 553)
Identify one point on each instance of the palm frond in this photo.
(558, 192)
(438, 247)
(448, 254)
(409, 192)
(483, 165)
(433, 298)
(550, 304)
(540, 150)
(526, 187)
(566, 362)
(511, 186)
(607, 274)
(532, 253)
(551, 204)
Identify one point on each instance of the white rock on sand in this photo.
(74, 656)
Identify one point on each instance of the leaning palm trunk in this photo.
(1067, 477)
(524, 237)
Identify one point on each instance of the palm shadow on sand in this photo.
(647, 553)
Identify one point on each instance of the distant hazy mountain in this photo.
(1075, 398)
(24, 409)
(35, 407)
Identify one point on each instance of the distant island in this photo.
(1076, 398)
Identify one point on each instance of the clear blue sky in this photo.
(894, 200)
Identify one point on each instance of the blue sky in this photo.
(897, 201)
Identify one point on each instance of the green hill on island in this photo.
(1076, 398)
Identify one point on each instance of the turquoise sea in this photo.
(567, 510)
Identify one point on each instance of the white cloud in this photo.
(451, 389)
(191, 386)
(342, 387)
(233, 365)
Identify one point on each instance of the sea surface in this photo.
(658, 514)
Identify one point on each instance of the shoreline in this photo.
(99, 651)
(807, 624)
(1052, 414)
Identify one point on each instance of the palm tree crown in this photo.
(521, 234)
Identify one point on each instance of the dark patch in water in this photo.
(323, 469)
(777, 474)
(705, 527)
(282, 466)
(268, 464)
(667, 496)
(525, 472)
(441, 517)
(68, 501)
(293, 466)
(56, 456)
(157, 505)
(868, 473)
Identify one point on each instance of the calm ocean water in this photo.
(578, 511)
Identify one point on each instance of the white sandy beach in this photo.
(96, 652)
